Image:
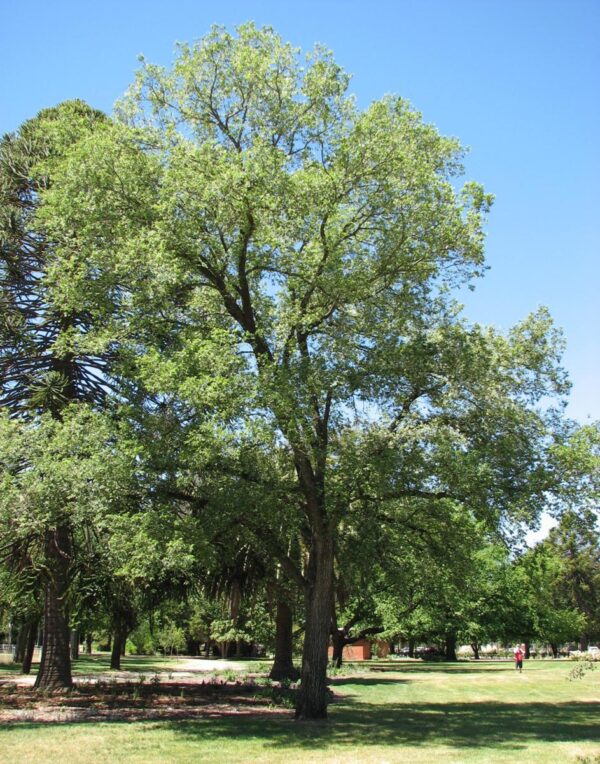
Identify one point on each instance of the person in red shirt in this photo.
(519, 658)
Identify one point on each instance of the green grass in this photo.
(465, 712)
(99, 663)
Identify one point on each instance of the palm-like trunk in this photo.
(283, 665)
(30, 646)
(55, 665)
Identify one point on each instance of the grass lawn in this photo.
(409, 712)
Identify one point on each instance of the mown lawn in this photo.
(451, 713)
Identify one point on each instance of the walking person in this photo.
(519, 653)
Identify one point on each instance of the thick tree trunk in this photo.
(554, 649)
(411, 648)
(74, 644)
(30, 646)
(88, 643)
(527, 650)
(313, 695)
(283, 665)
(118, 642)
(55, 666)
(451, 646)
(475, 648)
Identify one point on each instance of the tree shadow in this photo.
(459, 725)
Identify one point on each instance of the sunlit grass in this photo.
(466, 712)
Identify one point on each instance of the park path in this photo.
(188, 669)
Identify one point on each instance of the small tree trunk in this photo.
(475, 648)
(283, 665)
(411, 648)
(554, 649)
(583, 643)
(88, 643)
(527, 650)
(21, 646)
(55, 665)
(312, 698)
(338, 639)
(117, 647)
(74, 644)
(30, 647)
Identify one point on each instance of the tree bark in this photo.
(55, 666)
(283, 665)
(451, 647)
(74, 640)
(338, 639)
(21, 645)
(30, 646)
(118, 642)
(313, 695)
(88, 643)
(475, 648)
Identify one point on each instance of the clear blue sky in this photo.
(516, 80)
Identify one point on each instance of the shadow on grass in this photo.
(354, 725)
(460, 725)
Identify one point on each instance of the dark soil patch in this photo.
(131, 701)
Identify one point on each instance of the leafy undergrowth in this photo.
(106, 700)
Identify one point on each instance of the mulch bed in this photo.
(133, 701)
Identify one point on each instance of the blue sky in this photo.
(517, 82)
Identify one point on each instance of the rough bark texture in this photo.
(313, 695)
(283, 665)
(55, 665)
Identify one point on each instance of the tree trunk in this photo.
(338, 639)
(451, 647)
(312, 698)
(527, 650)
(88, 643)
(21, 645)
(411, 648)
(55, 666)
(283, 665)
(118, 641)
(30, 646)
(583, 643)
(554, 649)
(74, 644)
(475, 648)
